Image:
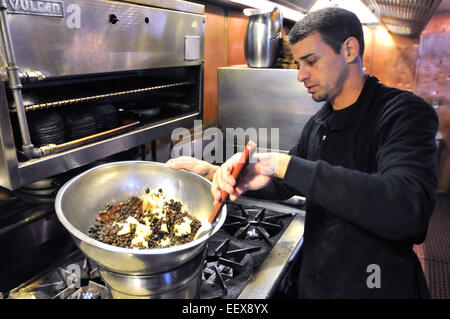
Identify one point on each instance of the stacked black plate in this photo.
(106, 117)
(78, 125)
(43, 191)
(46, 128)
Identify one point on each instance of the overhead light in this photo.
(383, 37)
(364, 14)
(288, 13)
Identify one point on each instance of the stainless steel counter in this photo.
(265, 281)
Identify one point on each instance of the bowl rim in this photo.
(135, 251)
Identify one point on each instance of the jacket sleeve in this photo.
(278, 189)
(396, 202)
(275, 190)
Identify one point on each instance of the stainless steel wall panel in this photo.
(178, 5)
(264, 98)
(61, 46)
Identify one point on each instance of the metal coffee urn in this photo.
(263, 37)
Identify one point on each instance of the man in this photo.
(366, 162)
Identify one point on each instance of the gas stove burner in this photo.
(80, 281)
(253, 223)
(214, 272)
(228, 270)
(77, 279)
(224, 263)
(92, 290)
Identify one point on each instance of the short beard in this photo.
(331, 96)
(320, 98)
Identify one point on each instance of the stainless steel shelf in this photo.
(36, 169)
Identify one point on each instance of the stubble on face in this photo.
(335, 88)
(328, 74)
(320, 97)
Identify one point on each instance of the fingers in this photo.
(216, 194)
(266, 163)
(239, 190)
(181, 162)
(256, 175)
(223, 180)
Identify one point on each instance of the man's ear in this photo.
(350, 49)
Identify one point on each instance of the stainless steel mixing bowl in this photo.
(79, 200)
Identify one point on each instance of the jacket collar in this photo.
(368, 90)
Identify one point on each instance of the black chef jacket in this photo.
(368, 173)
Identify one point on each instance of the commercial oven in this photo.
(83, 80)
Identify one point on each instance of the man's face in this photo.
(320, 69)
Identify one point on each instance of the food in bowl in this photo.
(146, 221)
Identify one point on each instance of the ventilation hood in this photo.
(405, 17)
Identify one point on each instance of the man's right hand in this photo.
(194, 165)
(261, 168)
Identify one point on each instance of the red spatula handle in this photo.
(243, 160)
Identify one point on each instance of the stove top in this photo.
(256, 237)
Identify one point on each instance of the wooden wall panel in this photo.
(237, 26)
(224, 45)
(215, 57)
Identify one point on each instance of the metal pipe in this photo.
(101, 96)
(33, 217)
(52, 148)
(15, 85)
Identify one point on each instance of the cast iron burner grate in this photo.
(223, 263)
(235, 253)
(78, 278)
(254, 223)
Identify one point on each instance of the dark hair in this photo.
(335, 25)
